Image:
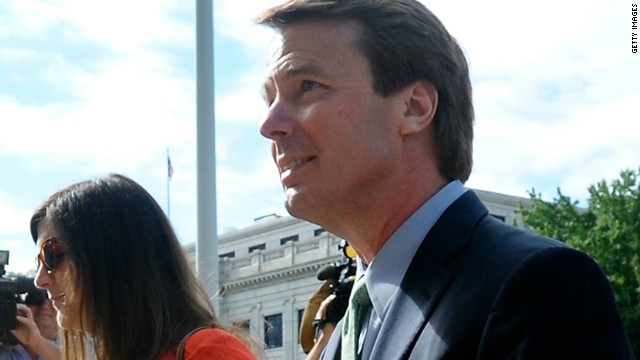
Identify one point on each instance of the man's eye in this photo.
(308, 85)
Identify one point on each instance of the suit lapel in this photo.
(426, 279)
(407, 315)
(424, 283)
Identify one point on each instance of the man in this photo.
(37, 330)
(371, 123)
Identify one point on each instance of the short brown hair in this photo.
(404, 42)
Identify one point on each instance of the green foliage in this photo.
(608, 230)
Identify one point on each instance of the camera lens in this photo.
(36, 297)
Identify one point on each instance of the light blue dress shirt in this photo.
(14, 352)
(17, 352)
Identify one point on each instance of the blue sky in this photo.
(89, 88)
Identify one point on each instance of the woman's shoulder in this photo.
(212, 335)
(216, 343)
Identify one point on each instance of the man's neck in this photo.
(369, 225)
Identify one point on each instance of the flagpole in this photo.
(207, 244)
(169, 174)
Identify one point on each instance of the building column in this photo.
(288, 330)
(256, 323)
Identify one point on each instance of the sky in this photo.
(89, 88)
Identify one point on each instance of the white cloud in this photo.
(139, 102)
(127, 97)
(245, 106)
(234, 20)
(11, 55)
(21, 254)
(14, 235)
(253, 191)
(29, 17)
(553, 93)
(12, 220)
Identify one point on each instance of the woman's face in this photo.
(59, 281)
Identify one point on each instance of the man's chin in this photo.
(294, 207)
(300, 209)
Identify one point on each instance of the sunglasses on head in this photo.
(49, 255)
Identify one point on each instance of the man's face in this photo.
(333, 138)
(44, 315)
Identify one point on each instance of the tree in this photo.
(608, 230)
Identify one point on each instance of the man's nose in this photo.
(279, 122)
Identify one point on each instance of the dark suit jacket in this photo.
(480, 289)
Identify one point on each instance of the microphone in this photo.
(328, 272)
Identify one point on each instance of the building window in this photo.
(273, 331)
(499, 217)
(288, 239)
(257, 247)
(318, 232)
(230, 254)
(300, 314)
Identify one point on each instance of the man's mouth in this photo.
(295, 163)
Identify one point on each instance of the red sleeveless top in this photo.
(212, 344)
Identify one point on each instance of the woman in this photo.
(118, 277)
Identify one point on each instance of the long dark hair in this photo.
(135, 289)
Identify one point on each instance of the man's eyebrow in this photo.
(309, 68)
(292, 70)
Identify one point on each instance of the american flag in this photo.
(169, 167)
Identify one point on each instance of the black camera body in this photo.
(340, 278)
(341, 287)
(10, 291)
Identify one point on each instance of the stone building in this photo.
(268, 272)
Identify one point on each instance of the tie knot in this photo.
(359, 293)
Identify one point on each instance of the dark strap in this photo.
(183, 342)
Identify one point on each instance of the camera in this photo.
(338, 280)
(11, 290)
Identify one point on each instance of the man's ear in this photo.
(421, 102)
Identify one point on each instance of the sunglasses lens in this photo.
(48, 254)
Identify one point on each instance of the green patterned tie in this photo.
(359, 304)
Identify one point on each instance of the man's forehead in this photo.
(312, 30)
(275, 48)
(288, 61)
(302, 44)
(291, 64)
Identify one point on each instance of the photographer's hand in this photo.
(29, 336)
(326, 329)
(27, 331)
